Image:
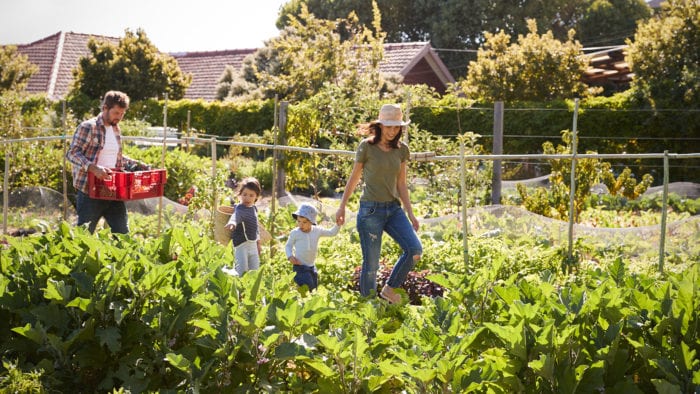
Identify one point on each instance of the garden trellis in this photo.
(279, 147)
(416, 156)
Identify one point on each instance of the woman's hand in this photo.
(340, 216)
(414, 221)
(230, 227)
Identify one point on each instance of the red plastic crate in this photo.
(128, 185)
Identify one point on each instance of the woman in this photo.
(381, 161)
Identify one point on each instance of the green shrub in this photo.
(13, 380)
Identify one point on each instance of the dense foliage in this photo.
(459, 25)
(134, 66)
(554, 200)
(158, 314)
(15, 69)
(309, 54)
(535, 68)
(667, 70)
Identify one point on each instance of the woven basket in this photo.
(221, 234)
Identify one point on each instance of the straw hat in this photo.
(391, 115)
(307, 211)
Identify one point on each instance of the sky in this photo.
(171, 25)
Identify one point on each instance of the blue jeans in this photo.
(90, 210)
(373, 219)
(306, 275)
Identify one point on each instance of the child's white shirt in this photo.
(304, 246)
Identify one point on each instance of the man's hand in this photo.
(99, 171)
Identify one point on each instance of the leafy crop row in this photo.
(106, 312)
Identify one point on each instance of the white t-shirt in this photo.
(304, 246)
(108, 155)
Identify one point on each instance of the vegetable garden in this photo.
(142, 314)
(514, 311)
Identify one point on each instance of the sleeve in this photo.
(289, 247)
(329, 232)
(405, 153)
(76, 151)
(233, 218)
(361, 154)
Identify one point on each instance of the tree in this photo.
(664, 56)
(607, 22)
(308, 54)
(134, 66)
(460, 26)
(15, 69)
(535, 68)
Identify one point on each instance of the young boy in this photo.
(302, 245)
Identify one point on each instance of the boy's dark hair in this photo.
(250, 183)
(115, 98)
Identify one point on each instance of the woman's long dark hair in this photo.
(376, 129)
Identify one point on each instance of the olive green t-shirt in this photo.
(380, 171)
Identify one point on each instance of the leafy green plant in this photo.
(18, 381)
(554, 202)
(114, 312)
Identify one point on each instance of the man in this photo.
(96, 148)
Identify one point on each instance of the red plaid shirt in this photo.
(88, 141)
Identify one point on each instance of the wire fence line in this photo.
(415, 156)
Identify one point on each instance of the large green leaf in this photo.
(111, 337)
(512, 336)
(57, 291)
(179, 361)
(35, 334)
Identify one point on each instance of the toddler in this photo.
(302, 245)
(245, 227)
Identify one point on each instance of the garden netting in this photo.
(38, 207)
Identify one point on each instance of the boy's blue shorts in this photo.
(306, 275)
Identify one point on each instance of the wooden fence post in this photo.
(463, 187)
(162, 159)
(6, 189)
(664, 214)
(572, 184)
(65, 165)
(497, 150)
(214, 193)
(281, 175)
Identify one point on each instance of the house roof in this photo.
(417, 62)
(57, 55)
(206, 69)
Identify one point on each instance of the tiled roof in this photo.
(56, 56)
(398, 56)
(405, 59)
(206, 69)
(418, 63)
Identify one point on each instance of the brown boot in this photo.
(390, 295)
